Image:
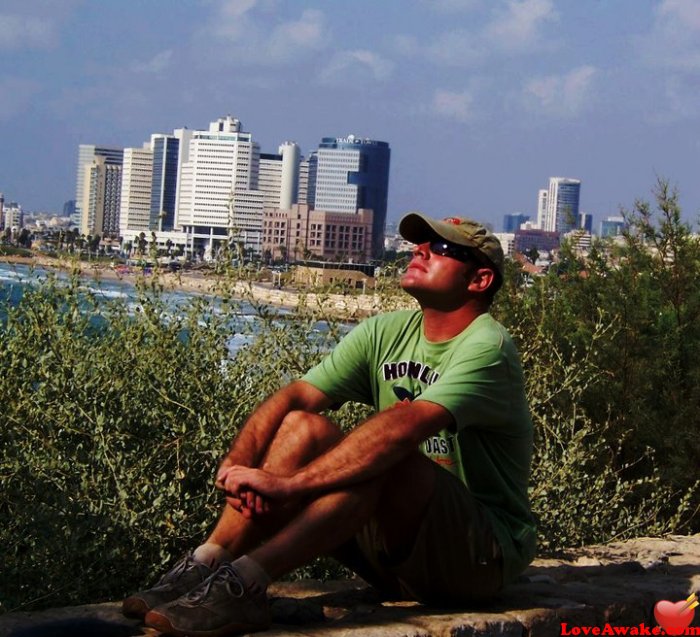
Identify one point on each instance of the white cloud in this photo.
(349, 66)
(404, 44)
(236, 9)
(243, 37)
(231, 22)
(561, 95)
(26, 32)
(288, 39)
(516, 26)
(674, 40)
(684, 12)
(17, 94)
(456, 48)
(451, 6)
(519, 25)
(451, 105)
(156, 64)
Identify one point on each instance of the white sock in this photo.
(254, 576)
(211, 554)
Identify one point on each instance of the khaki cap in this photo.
(418, 228)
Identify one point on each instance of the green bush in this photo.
(114, 417)
(113, 423)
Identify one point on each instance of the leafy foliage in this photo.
(114, 415)
(607, 346)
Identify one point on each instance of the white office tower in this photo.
(562, 209)
(270, 179)
(334, 192)
(289, 187)
(307, 180)
(86, 156)
(219, 201)
(12, 216)
(137, 176)
(353, 174)
(278, 177)
(541, 207)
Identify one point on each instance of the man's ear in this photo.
(481, 280)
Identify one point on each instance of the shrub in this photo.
(114, 415)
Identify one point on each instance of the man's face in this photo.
(435, 276)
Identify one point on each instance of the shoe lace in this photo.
(177, 571)
(227, 575)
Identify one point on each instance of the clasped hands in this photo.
(253, 492)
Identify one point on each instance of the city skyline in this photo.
(481, 102)
(207, 190)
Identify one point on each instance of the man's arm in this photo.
(368, 451)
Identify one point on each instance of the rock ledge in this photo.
(617, 584)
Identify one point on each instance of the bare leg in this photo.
(398, 500)
(301, 438)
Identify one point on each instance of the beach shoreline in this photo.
(196, 282)
(342, 306)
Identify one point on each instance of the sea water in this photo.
(16, 278)
(245, 324)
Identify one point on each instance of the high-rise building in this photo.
(137, 180)
(560, 214)
(69, 208)
(308, 169)
(585, 222)
(218, 199)
(512, 222)
(2, 216)
(353, 173)
(278, 177)
(99, 207)
(86, 156)
(166, 153)
(12, 215)
(612, 226)
(541, 206)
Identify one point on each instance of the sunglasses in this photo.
(447, 249)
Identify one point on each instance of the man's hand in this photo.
(252, 491)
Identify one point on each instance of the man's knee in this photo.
(304, 435)
(313, 427)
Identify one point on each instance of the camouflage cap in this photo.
(418, 228)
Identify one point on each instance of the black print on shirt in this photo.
(438, 445)
(412, 369)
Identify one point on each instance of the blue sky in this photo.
(481, 100)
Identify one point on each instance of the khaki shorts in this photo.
(456, 558)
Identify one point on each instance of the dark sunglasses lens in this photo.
(440, 247)
(444, 249)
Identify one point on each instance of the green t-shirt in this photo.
(477, 377)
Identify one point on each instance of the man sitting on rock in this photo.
(426, 500)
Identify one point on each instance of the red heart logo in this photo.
(672, 618)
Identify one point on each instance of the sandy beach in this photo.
(345, 307)
(176, 281)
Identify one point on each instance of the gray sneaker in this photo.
(180, 579)
(222, 605)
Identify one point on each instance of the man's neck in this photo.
(442, 325)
